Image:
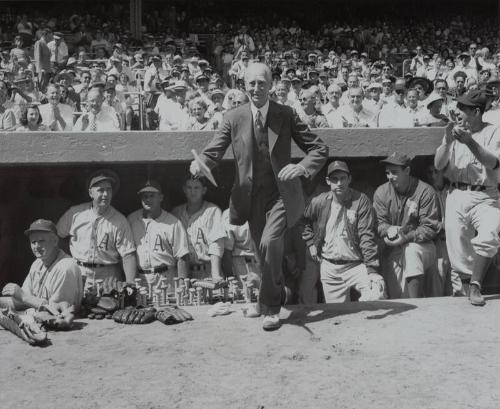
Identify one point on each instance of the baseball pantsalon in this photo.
(472, 225)
(407, 261)
(338, 279)
(97, 273)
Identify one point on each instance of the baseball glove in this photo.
(55, 316)
(135, 315)
(173, 315)
(26, 329)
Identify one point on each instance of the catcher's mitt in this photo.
(173, 315)
(376, 291)
(135, 315)
(55, 316)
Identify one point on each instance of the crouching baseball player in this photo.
(53, 277)
(100, 238)
(408, 221)
(203, 223)
(339, 229)
(160, 238)
(470, 157)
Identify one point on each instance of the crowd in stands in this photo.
(86, 73)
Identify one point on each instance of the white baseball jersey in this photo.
(238, 239)
(161, 241)
(100, 239)
(205, 231)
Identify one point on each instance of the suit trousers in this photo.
(268, 226)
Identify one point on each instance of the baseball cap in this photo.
(338, 165)
(474, 98)
(396, 158)
(41, 225)
(150, 186)
(102, 175)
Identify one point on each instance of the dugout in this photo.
(42, 174)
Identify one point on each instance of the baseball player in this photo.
(408, 222)
(100, 238)
(239, 254)
(469, 155)
(339, 230)
(160, 238)
(203, 223)
(53, 277)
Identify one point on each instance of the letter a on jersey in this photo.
(158, 244)
(103, 245)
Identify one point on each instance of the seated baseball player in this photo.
(408, 222)
(339, 230)
(160, 238)
(100, 238)
(53, 277)
(203, 223)
(239, 254)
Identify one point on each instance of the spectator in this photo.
(97, 119)
(30, 119)
(354, 115)
(308, 114)
(56, 116)
(198, 119)
(42, 57)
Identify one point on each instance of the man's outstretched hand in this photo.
(195, 169)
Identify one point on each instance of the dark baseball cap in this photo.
(474, 98)
(102, 175)
(396, 158)
(150, 186)
(338, 165)
(41, 225)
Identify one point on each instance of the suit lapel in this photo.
(274, 120)
(246, 125)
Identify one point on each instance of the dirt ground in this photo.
(430, 353)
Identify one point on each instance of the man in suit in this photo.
(42, 55)
(267, 191)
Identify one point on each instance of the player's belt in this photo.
(92, 265)
(341, 262)
(159, 269)
(467, 186)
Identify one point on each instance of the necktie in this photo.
(260, 134)
(258, 121)
(93, 125)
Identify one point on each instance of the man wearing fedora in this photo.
(100, 237)
(340, 233)
(53, 277)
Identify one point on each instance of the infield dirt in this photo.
(431, 353)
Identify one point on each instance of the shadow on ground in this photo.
(301, 315)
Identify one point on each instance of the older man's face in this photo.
(43, 244)
(356, 97)
(94, 102)
(258, 83)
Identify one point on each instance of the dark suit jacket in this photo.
(283, 126)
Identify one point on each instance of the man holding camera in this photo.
(469, 155)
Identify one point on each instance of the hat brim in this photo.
(148, 189)
(40, 230)
(392, 161)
